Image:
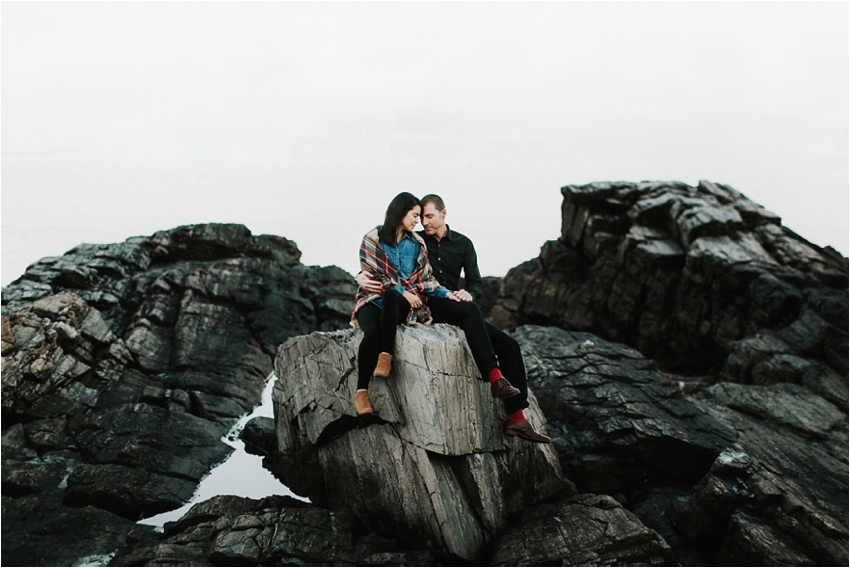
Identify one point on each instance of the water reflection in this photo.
(242, 474)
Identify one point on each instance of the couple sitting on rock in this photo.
(398, 284)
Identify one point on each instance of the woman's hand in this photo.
(453, 296)
(412, 299)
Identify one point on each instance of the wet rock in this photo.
(760, 517)
(124, 365)
(259, 436)
(275, 531)
(130, 492)
(37, 532)
(492, 289)
(769, 462)
(625, 422)
(434, 469)
(683, 274)
(585, 530)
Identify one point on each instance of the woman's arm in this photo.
(371, 267)
(444, 293)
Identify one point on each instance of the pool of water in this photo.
(241, 474)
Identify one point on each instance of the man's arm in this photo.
(471, 275)
(368, 284)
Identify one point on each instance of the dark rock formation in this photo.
(492, 290)
(434, 470)
(694, 380)
(275, 531)
(769, 462)
(585, 530)
(751, 317)
(700, 279)
(125, 364)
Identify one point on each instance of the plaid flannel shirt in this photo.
(375, 262)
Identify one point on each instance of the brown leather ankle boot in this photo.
(382, 369)
(362, 402)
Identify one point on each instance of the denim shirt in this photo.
(403, 257)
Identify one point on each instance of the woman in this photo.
(396, 257)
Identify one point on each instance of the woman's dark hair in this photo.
(396, 210)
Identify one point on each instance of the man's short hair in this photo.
(435, 199)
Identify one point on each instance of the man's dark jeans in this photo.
(490, 345)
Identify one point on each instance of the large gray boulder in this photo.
(125, 364)
(432, 468)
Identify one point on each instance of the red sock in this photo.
(518, 416)
(494, 375)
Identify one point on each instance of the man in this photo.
(449, 252)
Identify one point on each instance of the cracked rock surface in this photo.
(730, 474)
(125, 364)
(275, 531)
(700, 279)
(692, 367)
(584, 530)
(432, 468)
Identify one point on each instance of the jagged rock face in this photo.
(275, 531)
(700, 279)
(433, 469)
(125, 364)
(769, 462)
(585, 530)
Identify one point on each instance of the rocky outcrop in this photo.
(769, 462)
(585, 530)
(275, 531)
(700, 279)
(433, 468)
(693, 376)
(739, 385)
(125, 364)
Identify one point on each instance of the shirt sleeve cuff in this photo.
(440, 292)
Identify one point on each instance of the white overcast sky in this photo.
(305, 119)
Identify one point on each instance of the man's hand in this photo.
(463, 296)
(373, 286)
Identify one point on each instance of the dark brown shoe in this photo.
(524, 430)
(503, 389)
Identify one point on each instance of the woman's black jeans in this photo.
(379, 329)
